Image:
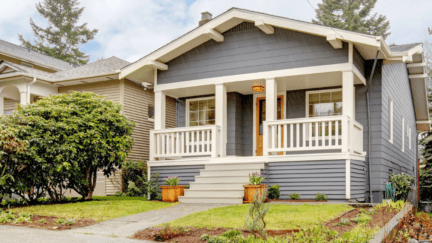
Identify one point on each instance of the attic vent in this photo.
(241, 27)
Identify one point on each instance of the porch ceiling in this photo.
(299, 82)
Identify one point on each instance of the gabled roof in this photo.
(108, 66)
(33, 57)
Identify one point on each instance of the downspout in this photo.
(369, 127)
(28, 90)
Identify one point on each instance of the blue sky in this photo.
(130, 29)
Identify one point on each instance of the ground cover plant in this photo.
(412, 226)
(99, 209)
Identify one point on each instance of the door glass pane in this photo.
(279, 108)
(262, 115)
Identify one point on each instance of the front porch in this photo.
(326, 126)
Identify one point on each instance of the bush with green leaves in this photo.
(69, 138)
(426, 172)
(152, 187)
(133, 190)
(402, 182)
(320, 197)
(294, 196)
(274, 192)
(167, 232)
(172, 181)
(132, 171)
(255, 179)
(255, 221)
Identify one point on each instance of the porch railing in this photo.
(185, 142)
(312, 134)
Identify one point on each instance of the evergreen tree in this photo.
(352, 15)
(63, 37)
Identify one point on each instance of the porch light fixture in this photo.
(258, 88)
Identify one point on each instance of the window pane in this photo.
(202, 115)
(193, 105)
(312, 111)
(313, 99)
(325, 104)
(193, 124)
(211, 115)
(338, 108)
(151, 112)
(203, 105)
(193, 116)
(211, 122)
(324, 98)
(336, 96)
(202, 123)
(211, 104)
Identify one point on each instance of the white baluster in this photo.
(279, 136)
(337, 133)
(304, 135)
(310, 134)
(316, 134)
(323, 133)
(291, 136)
(187, 142)
(298, 135)
(285, 135)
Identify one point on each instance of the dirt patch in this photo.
(380, 218)
(295, 201)
(194, 234)
(48, 222)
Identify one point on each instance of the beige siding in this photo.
(10, 105)
(136, 103)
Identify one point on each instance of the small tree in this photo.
(70, 137)
(257, 211)
(402, 182)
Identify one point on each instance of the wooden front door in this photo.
(261, 116)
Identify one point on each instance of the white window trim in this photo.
(195, 99)
(317, 92)
(390, 100)
(409, 137)
(403, 134)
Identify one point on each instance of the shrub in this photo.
(133, 190)
(257, 211)
(344, 222)
(61, 221)
(274, 192)
(320, 197)
(132, 171)
(119, 194)
(294, 196)
(70, 137)
(362, 218)
(231, 233)
(402, 182)
(6, 216)
(152, 187)
(172, 181)
(167, 232)
(42, 221)
(255, 179)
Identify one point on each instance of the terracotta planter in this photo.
(250, 191)
(171, 193)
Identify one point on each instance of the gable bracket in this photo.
(268, 29)
(158, 65)
(214, 35)
(335, 42)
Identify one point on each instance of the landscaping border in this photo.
(391, 225)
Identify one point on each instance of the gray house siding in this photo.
(186, 173)
(309, 178)
(250, 50)
(358, 180)
(358, 61)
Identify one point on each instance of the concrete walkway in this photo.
(128, 226)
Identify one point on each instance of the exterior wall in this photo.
(246, 49)
(16, 61)
(308, 178)
(358, 180)
(10, 105)
(358, 61)
(186, 173)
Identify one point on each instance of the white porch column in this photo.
(1, 106)
(221, 115)
(271, 113)
(347, 108)
(160, 107)
(23, 98)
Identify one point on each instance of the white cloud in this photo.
(133, 28)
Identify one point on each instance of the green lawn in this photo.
(279, 216)
(100, 209)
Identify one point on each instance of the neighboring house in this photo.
(287, 98)
(26, 75)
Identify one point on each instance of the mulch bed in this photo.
(380, 218)
(296, 200)
(417, 227)
(193, 235)
(50, 223)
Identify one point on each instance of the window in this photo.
(151, 113)
(200, 111)
(409, 137)
(403, 134)
(324, 103)
(390, 117)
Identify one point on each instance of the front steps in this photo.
(221, 183)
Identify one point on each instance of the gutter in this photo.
(369, 125)
(28, 89)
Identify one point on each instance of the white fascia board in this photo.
(414, 76)
(255, 76)
(4, 65)
(415, 65)
(268, 29)
(424, 122)
(334, 41)
(146, 62)
(214, 35)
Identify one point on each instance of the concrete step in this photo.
(245, 166)
(214, 193)
(227, 200)
(222, 178)
(216, 186)
(238, 172)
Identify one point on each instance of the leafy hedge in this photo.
(66, 139)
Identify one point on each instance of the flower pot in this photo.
(250, 191)
(171, 193)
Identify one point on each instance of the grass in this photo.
(279, 216)
(100, 209)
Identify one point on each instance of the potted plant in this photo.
(171, 192)
(255, 187)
